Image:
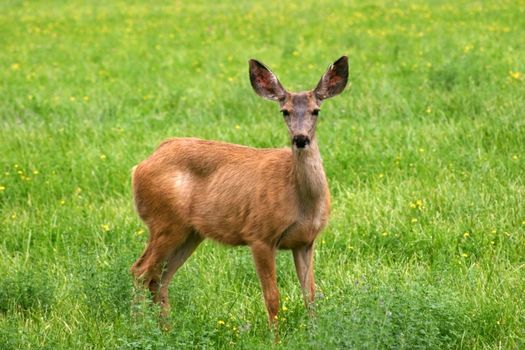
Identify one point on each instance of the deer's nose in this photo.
(301, 141)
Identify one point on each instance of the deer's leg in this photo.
(264, 258)
(137, 265)
(175, 261)
(148, 268)
(304, 266)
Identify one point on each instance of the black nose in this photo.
(300, 141)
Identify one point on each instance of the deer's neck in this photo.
(308, 174)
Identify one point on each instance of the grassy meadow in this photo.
(424, 152)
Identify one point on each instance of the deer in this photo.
(267, 199)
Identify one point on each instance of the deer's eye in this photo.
(285, 112)
(316, 112)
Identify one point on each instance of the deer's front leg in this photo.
(304, 266)
(264, 258)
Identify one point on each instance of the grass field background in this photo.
(425, 155)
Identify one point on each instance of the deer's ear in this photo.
(264, 82)
(333, 81)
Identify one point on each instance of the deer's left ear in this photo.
(333, 81)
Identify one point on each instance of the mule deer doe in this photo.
(268, 199)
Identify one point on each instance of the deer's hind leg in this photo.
(163, 242)
(177, 258)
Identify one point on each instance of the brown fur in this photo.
(268, 199)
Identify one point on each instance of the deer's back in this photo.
(233, 194)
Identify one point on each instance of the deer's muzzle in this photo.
(301, 141)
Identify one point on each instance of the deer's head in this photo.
(300, 109)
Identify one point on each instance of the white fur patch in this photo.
(182, 182)
(319, 215)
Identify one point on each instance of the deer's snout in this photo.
(301, 141)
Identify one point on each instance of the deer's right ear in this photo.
(264, 82)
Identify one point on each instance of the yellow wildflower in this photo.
(515, 75)
(103, 156)
(414, 220)
(2, 188)
(284, 308)
(220, 322)
(465, 255)
(466, 234)
(105, 227)
(15, 66)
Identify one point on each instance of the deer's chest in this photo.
(306, 228)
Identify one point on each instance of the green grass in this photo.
(424, 152)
